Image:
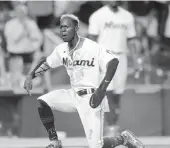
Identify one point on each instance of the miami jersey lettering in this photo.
(113, 25)
(113, 29)
(67, 62)
(86, 65)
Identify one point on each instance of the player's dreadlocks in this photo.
(72, 17)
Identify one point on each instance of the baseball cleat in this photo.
(55, 144)
(130, 140)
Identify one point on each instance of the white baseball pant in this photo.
(70, 101)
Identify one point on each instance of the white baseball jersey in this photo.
(112, 28)
(84, 69)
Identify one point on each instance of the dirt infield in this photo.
(150, 142)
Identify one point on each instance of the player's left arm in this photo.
(98, 96)
(110, 72)
(108, 64)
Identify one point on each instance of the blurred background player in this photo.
(114, 31)
(24, 39)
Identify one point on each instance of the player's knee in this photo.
(42, 103)
(44, 109)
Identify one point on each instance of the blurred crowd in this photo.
(22, 24)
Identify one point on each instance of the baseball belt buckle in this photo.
(90, 91)
(85, 91)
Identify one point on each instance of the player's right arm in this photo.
(52, 61)
(40, 69)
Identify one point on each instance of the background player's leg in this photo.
(114, 106)
(114, 97)
(112, 117)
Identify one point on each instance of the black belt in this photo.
(85, 91)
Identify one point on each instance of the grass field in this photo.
(150, 142)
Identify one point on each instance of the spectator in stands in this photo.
(23, 38)
(142, 11)
(2, 62)
(162, 57)
(146, 27)
(42, 12)
(165, 28)
(162, 14)
(5, 11)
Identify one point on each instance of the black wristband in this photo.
(33, 72)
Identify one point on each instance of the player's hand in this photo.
(97, 97)
(28, 84)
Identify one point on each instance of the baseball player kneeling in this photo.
(83, 59)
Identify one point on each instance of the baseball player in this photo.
(83, 60)
(112, 26)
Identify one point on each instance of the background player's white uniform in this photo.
(113, 30)
(84, 71)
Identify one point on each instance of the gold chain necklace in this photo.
(71, 52)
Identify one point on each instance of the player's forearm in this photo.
(40, 69)
(110, 72)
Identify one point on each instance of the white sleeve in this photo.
(131, 31)
(54, 59)
(93, 27)
(105, 56)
